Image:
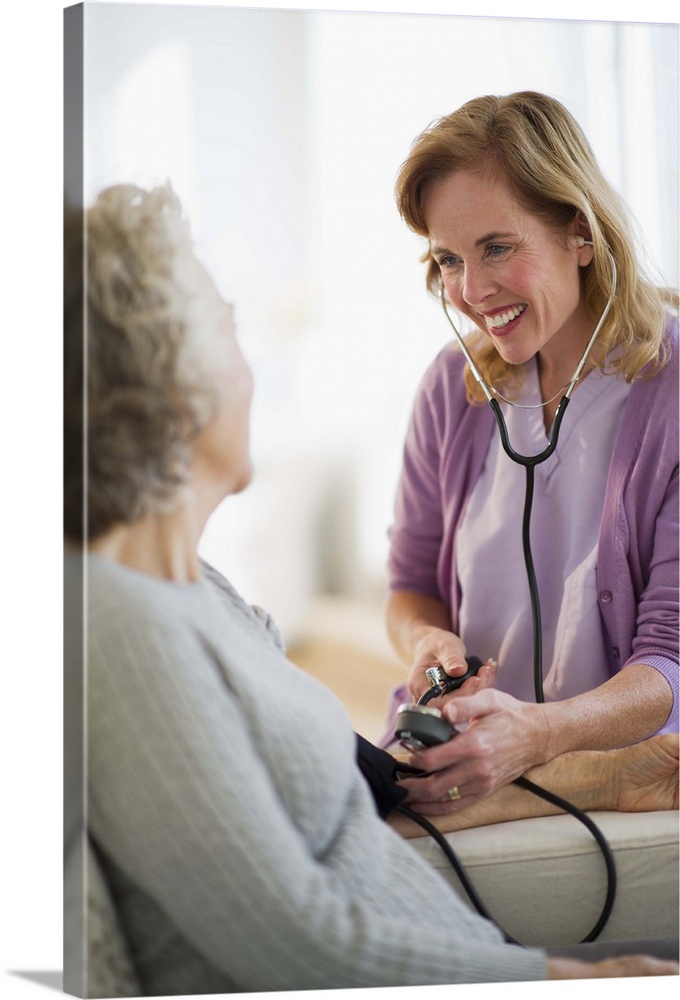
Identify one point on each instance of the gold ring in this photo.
(453, 794)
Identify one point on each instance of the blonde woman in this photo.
(527, 242)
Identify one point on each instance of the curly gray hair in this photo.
(135, 391)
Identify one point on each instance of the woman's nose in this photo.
(478, 285)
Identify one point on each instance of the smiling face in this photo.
(503, 267)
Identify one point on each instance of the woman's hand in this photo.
(611, 968)
(504, 738)
(646, 775)
(438, 647)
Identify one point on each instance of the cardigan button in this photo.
(615, 652)
(605, 596)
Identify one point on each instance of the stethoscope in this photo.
(531, 461)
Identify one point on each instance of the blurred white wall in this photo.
(282, 131)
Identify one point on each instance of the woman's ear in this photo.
(583, 239)
(581, 227)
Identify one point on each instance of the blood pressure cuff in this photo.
(381, 771)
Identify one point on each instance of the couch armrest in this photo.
(544, 880)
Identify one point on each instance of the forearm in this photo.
(638, 778)
(408, 616)
(631, 706)
(585, 778)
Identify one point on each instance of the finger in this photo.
(454, 664)
(448, 789)
(469, 707)
(484, 678)
(471, 686)
(417, 689)
(436, 784)
(434, 788)
(487, 673)
(417, 683)
(446, 807)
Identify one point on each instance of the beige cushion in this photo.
(544, 880)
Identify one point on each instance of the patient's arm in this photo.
(639, 778)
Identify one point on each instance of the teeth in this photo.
(496, 322)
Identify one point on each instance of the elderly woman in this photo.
(527, 240)
(235, 832)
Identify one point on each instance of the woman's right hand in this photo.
(439, 647)
(419, 627)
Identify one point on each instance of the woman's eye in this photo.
(449, 261)
(496, 250)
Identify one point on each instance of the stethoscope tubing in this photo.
(529, 462)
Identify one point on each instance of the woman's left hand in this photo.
(503, 739)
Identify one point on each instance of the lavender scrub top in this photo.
(565, 525)
(626, 585)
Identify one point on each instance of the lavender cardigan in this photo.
(637, 569)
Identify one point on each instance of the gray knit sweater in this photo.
(235, 829)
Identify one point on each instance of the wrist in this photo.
(420, 631)
(558, 731)
(411, 617)
(545, 738)
(585, 777)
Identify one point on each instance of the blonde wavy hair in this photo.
(134, 392)
(533, 143)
